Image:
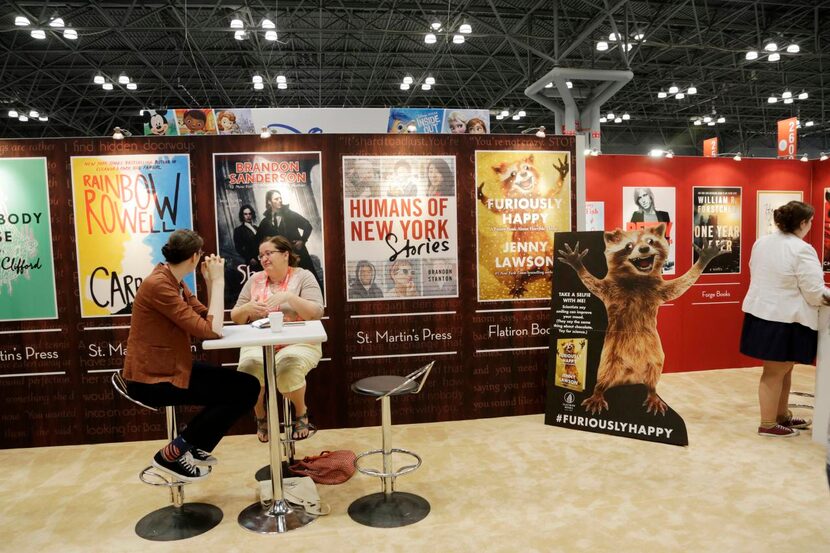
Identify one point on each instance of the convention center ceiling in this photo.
(87, 67)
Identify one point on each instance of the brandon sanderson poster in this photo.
(263, 194)
(716, 220)
(126, 206)
(400, 227)
(523, 198)
(27, 277)
(606, 356)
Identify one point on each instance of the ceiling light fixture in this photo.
(107, 86)
(809, 124)
(788, 100)
(22, 118)
(38, 34)
(691, 90)
(259, 86)
(721, 119)
(237, 23)
(522, 113)
(430, 80)
(21, 21)
(656, 152)
(804, 158)
(123, 79)
(737, 156)
(771, 46)
(541, 134)
(569, 84)
(239, 35)
(669, 154)
(626, 117)
(803, 95)
(43, 118)
(679, 95)
(504, 113)
(772, 100)
(282, 86)
(265, 134)
(787, 94)
(257, 78)
(57, 23)
(436, 25)
(13, 113)
(267, 24)
(281, 79)
(430, 38)
(465, 28)
(618, 120)
(99, 79)
(602, 46)
(271, 35)
(662, 94)
(823, 157)
(132, 86)
(775, 56)
(426, 86)
(673, 89)
(404, 86)
(549, 85)
(752, 55)
(70, 34)
(458, 39)
(793, 48)
(697, 122)
(33, 114)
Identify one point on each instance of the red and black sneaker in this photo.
(796, 422)
(777, 431)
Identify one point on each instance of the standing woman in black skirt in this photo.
(781, 313)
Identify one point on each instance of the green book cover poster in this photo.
(27, 276)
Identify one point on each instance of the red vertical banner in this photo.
(710, 147)
(788, 138)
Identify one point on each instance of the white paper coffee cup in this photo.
(275, 319)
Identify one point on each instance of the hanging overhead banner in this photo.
(27, 276)
(523, 199)
(400, 227)
(126, 206)
(788, 138)
(264, 194)
(710, 147)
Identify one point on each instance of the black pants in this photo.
(226, 394)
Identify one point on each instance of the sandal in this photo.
(302, 428)
(262, 429)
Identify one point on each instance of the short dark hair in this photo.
(242, 210)
(181, 245)
(789, 216)
(283, 245)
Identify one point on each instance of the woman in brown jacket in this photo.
(159, 368)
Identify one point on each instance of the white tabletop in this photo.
(234, 336)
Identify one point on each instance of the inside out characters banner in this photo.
(523, 199)
(27, 276)
(125, 208)
(717, 222)
(645, 207)
(400, 227)
(264, 194)
(606, 356)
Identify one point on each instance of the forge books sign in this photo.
(606, 356)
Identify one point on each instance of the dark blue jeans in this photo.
(225, 393)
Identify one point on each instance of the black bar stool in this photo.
(179, 520)
(389, 508)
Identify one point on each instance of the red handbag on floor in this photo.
(330, 467)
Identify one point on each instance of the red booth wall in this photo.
(701, 329)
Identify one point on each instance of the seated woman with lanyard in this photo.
(159, 369)
(281, 286)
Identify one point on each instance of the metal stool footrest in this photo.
(288, 431)
(395, 473)
(154, 477)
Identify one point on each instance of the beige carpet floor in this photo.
(506, 484)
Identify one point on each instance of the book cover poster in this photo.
(716, 220)
(594, 215)
(826, 257)
(400, 227)
(264, 194)
(645, 207)
(126, 206)
(768, 202)
(523, 199)
(27, 274)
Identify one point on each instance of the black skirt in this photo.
(774, 341)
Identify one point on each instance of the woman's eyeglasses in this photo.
(403, 271)
(269, 254)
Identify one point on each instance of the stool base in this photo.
(381, 511)
(178, 523)
(257, 518)
(264, 473)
